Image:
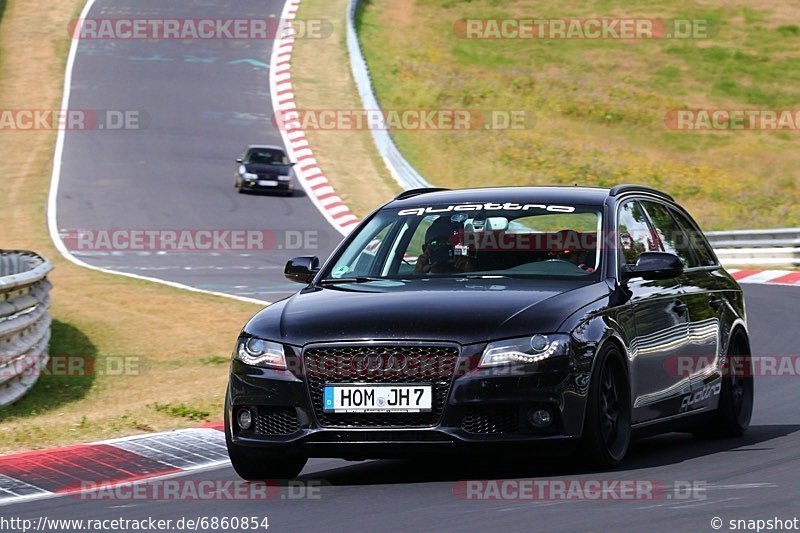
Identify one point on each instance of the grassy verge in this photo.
(173, 346)
(599, 105)
(323, 81)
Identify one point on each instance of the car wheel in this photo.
(255, 464)
(607, 424)
(732, 417)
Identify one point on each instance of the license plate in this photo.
(268, 183)
(378, 398)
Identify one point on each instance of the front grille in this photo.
(491, 420)
(276, 421)
(423, 364)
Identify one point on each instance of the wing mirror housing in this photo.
(302, 269)
(654, 266)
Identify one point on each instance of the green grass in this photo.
(181, 411)
(599, 105)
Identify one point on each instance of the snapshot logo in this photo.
(188, 240)
(73, 119)
(579, 490)
(582, 28)
(733, 119)
(201, 490)
(187, 29)
(404, 119)
(72, 366)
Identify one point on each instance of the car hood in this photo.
(463, 311)
(277, 170)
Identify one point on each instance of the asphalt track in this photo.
(204, 106)
(200, 104)
(749, 478)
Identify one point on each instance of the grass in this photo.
(599, 105)
(323, 81)
(179, 341)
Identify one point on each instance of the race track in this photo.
(201, 103)
(204, 106)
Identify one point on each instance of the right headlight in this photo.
(259, 352)
(525, 350)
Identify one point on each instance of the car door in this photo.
(661, 321)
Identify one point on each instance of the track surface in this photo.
(204, 107)
(748, 478)
(202, 102)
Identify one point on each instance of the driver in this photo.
(438, 253)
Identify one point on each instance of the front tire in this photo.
(607, 424)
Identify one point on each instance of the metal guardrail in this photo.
(769, 247)
(24, 321)
(779, 247)
(402, 171)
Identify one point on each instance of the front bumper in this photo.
(256, 185)
(485, 410)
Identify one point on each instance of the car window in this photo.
(635, 234)
(266, 156)
(697, 240)
(671, 235)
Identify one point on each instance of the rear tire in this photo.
(257, 464)
(735, 409)
(607, 424)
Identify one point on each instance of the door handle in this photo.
(715, 303)
(679, 308)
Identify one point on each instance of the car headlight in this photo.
(284, 178)
(249, 176)
(525, 350)
(259, 352)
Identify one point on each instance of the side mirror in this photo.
(292, 163)
(302, 269)
(240, 160)
(653, 266)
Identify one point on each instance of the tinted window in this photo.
(672, 237)
(635, 235)
(697, 240)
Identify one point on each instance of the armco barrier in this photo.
(769, 247)
(24, 321)
(401, 170)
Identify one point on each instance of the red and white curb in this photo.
(309, 174)
(47, 473)
(768, 277)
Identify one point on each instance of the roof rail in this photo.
(416, 192)
(627, 187)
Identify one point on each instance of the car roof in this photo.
(556, 194)
(270, 146)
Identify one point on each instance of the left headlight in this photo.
(525, 350)
(259, 352)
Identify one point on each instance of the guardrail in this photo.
(769, 247)
(24, 321)
(402, 171)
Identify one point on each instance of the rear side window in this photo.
(671, 235)
(697, 240)
(634, 233)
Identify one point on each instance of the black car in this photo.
(264, 168)
(497, 320)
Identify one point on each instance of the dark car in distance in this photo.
(495, 321)
(265, 168)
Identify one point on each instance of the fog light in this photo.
(539, 418)
(245, 419)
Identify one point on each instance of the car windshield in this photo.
(266, 156)
(473, 240)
